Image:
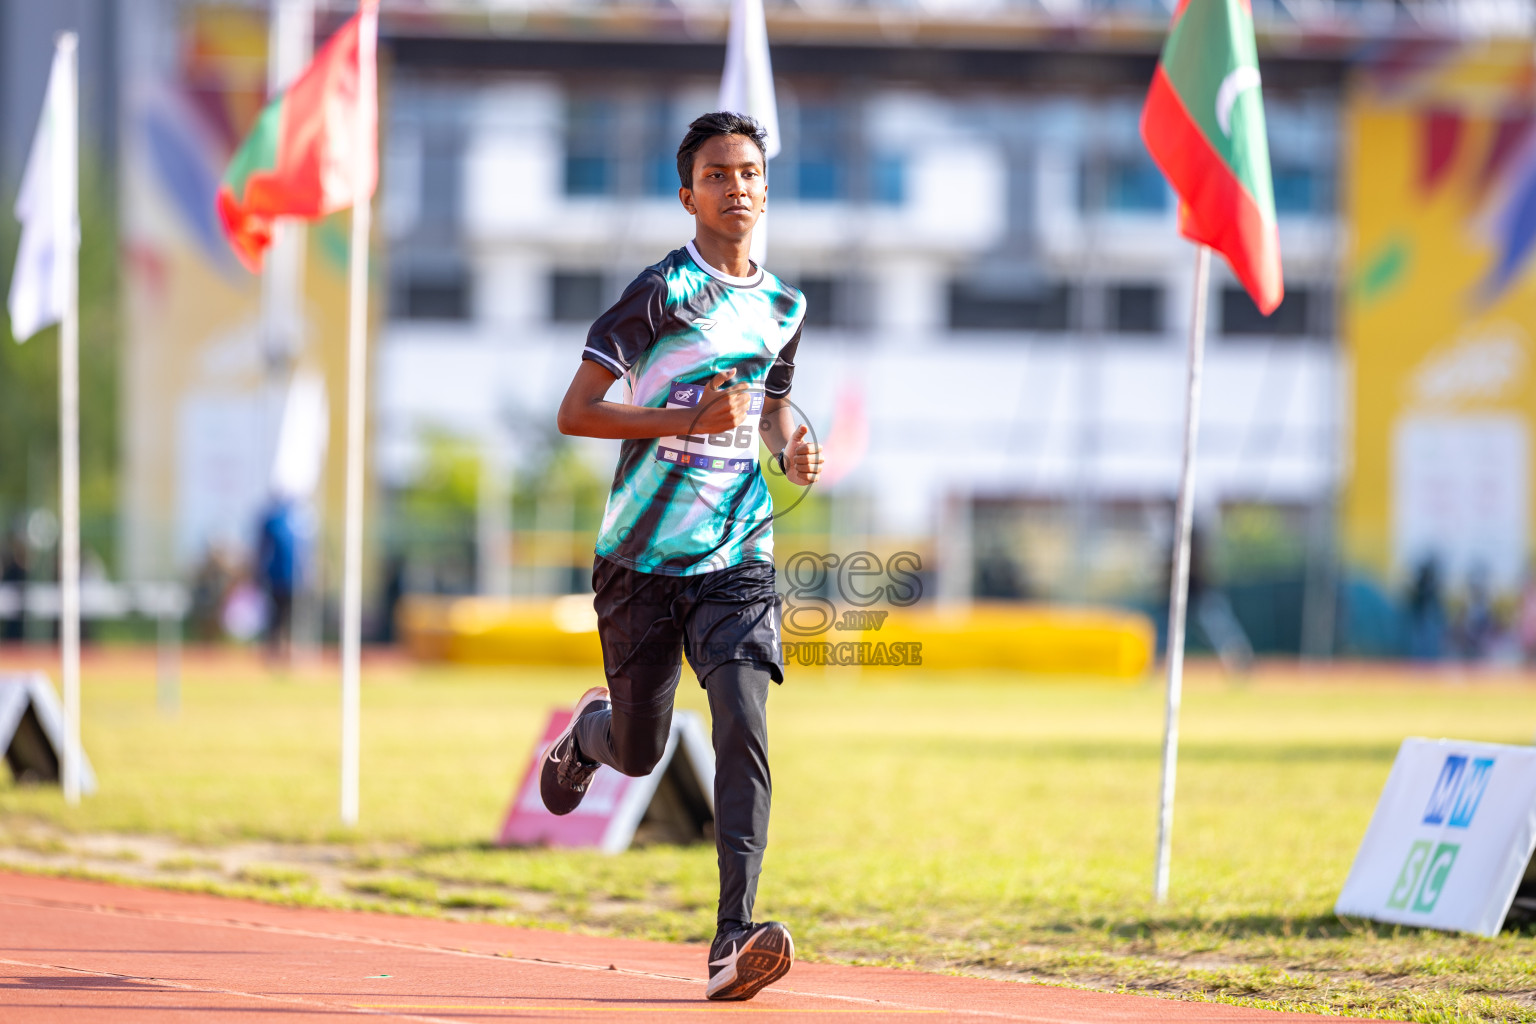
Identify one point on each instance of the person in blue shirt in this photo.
(280, 556)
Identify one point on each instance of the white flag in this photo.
(47, 208)
(302, 436)
(747, 85)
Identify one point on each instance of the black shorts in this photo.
(647, 621)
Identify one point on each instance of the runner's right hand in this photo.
(721, 410)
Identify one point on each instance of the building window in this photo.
(1047, 308)
(888, 179)
(658, 171)
(1122, 184)
(1135, 185)
(575, 296)
(1136, 309)
(436, 293)
(820, 301)
(442, 176)
(822, 155)
(833, 301)
(1301, 190)
(590, 127)
(1304, 313)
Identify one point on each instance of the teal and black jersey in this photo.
(693, 504)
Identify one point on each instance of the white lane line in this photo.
(237, 924)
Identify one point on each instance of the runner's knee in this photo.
(639, 742)
(738, 695)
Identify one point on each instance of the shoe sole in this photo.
(595, 694)
(768, 956)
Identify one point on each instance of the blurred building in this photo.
(27, 33)
(999, 298)
(991, 259)
(1441, 331)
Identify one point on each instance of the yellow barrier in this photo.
(501, 631)
(1040, 639)
(1043, 639)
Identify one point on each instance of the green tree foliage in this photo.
(562, 476)
(432, 521)
(29, 383)
(1260, 542)
(440, 504)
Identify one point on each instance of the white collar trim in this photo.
(720, 275)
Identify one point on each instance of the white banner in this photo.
(1450, 839)
(1460, 495)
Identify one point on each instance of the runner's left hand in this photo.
(802, 459)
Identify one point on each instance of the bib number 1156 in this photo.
(733, 451)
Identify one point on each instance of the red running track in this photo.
(87, 952)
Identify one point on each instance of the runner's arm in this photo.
(802, 458)
(777, 424)
(585, 413)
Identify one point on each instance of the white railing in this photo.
(98, 600)
(166, 603)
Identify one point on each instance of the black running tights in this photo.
(738, 699)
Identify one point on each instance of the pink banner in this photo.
(528, 823)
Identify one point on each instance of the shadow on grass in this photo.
(1279, 926)
(1149, 751)
(1239, 926)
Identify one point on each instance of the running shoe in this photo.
(743, 961)
(564, 774)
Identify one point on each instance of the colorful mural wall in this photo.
(1440, 317)
(205, 388)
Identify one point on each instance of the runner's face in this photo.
(729, 191)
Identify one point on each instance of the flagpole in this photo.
(357, 360)
(746, 87)
(1178, 590)
(66, 233)
(290, 47)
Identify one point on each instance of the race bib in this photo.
(732, 452)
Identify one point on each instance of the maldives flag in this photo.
(301, 158)
(1204, 126)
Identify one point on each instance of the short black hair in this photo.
(706, 127)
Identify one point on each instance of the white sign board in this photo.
(1460, 494)
(35, 744)
(222, 473)
(1450, 839)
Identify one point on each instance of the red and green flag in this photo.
(1203, 123)
(301, 159)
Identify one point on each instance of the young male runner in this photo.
(705, 344)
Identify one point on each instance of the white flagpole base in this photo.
(357, 395)
(67, 234)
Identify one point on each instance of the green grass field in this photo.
(979, 823)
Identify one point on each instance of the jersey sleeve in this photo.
(627, 329)
(782, 374)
